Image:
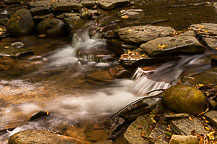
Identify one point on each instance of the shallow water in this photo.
(56, 81)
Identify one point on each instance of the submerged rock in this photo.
(181, 98)
(139, 34)
(172, 45)
(51, 27)
(181, 139)
(21, 23)
(111, 4)
(39, 137)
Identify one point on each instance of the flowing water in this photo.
(61, 81)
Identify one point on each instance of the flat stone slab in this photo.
(186, 126)
(211, 42)
(158, 135)
(180, 139)
(140, 34)
(89, 3)
(43, 10)
(172, 45)
(212, 117)
(139, 130)
(66, 6)
(111, 4)
(205, 29)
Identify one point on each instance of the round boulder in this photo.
(51, 27)
(21, 23)
(181, 98)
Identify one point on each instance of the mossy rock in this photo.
(21, 23)
(52, 27)
(182, 98)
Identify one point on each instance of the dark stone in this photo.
(40, 10)
(172, 45)
(141, 107)
(139, 34)
(180, 139)
(39, 18)
(11, 2)
(184, 99)
(115, 46)
(112, 4)
(89, 3)
(39, 115)
(51, 27)
(2, 5)
(66, 6)
(21, 23)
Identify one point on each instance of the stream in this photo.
(75, 87)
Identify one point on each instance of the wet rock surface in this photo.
(172, 45)
(139, 34)
(120, 20)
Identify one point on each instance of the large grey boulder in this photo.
(181, 98)
(140, 34)
(111, 4)
(40, 137)
(51, 27)
(182, 139)
(172, 45)
(21, 23)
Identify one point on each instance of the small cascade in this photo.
(83, 48)
(152, 82)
